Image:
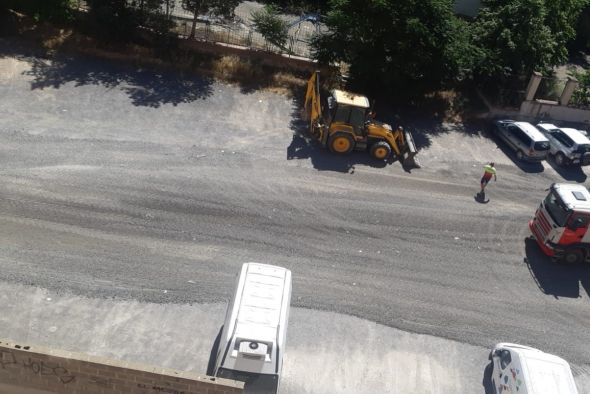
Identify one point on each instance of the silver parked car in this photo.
(568, 146)
(524, 138)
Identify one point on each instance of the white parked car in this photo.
(524, 138)
(519, 369)
(568, 146)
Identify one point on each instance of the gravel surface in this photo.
(136, 184)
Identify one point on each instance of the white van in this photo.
(525, 370)
(254, 333)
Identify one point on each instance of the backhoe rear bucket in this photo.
(409, 158)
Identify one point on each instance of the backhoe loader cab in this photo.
(348, 109)
(346, 125)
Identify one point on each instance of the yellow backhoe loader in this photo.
(347, 124)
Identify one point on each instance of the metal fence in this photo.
(239, 30)
(238, 34)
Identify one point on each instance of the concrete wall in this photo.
(33, 369)
(548, 110)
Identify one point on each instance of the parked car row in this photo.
(568, 147)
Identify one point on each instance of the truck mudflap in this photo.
(546, 249)
(409, 158)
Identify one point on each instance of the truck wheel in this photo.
(341, 143)
(380, 150)
(560, 159)
(573, 256)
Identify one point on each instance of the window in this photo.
(557, 209)
(357, 119)
(521, 136)
(563, 138)
(541, 145)
(583, 148)
(578, 221)
(505, 358)
(342, 114)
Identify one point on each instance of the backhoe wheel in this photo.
(380, 150)
(341, 143)
(573, 256)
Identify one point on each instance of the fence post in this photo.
(533, 85)
(568, 90)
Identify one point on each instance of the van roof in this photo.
(261, 301)
(548, 374)
(544, 373)
(531, 130)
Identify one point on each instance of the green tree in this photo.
(215, 7)
(402, 46)
(269, 23)
(517, 37)
(581, 96)
(562, 17)
(119, 19)
(52, 10)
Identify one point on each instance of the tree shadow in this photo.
(571, 173)
(556, 279)
(486, 381)
(146, 87)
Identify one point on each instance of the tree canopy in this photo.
(269, 23)
(517, 37)
(410, 45)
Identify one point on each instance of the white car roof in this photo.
(575, 135)
(568, 193)
(531, 130)
(547, 126)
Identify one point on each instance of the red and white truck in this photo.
(560, 225)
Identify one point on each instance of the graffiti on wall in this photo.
(10, 360)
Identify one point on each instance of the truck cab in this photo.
(560, 224)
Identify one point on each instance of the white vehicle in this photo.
(521, 369)
(254, 333)
(568, 146)
(524, 138)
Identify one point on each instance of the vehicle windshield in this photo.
(583, 148)
(541, 145)
(556, 208)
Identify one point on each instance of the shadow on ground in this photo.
(304, 147)
(147, 87)
(574, 174)
(556, 279)
(486, 381)
(213, 353)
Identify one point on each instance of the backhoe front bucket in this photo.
(409, 158)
